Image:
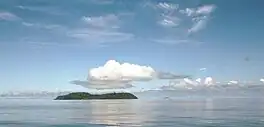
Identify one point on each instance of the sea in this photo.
(152, 109)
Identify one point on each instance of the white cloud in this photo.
(202, 10)
(167, 6)
(113, 70)
(27, 24)
(168, 75)
(208, 81)
(8, 16)
(43, 9)
(102, 2)
(197, 26)
(107, 21)
(188, 11)
(198, 80)
(203, 69)
(115, 75)
(43, 26)
(173, 41)
(99, 36)
(189, 81)
(206, 9)
(168, 18)
(100, 29)
(199, 16)
(170, 41)
(168, 23)
(175, 20)
(262, 80)
(232, 82)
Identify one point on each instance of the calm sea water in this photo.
(176, 112)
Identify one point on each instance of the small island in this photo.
(88, 96)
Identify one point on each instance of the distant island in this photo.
(88, 96)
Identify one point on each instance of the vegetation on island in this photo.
(88, 96)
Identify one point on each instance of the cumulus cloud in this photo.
(8, 16)
(208, 81)
(198, 80)
(262, 80)
(115, 75)
(113, 70)
(189, 81)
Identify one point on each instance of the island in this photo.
(88, 96)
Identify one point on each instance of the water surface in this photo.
(176, 112)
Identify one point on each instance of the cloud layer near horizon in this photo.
(115, 75)
(209, 83)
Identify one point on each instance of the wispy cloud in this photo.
(168, 14)
(100, 29)
(43, 9)
(169, 21)
(188, 11)
(198, 25)
(206, 9)
(102, 2)
(174, 41)
(168, 75)
(167, 7)
(8, 16)
(171, 41)
(105, 22)
(177, 23)
(99, 36)
(199, 16)
(203, 69)
(42, 26)
(42, 44)
(185, 21)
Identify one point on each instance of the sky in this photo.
(48, 44)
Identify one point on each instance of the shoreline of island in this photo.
(89, 96)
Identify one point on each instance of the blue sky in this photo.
(44, 44)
